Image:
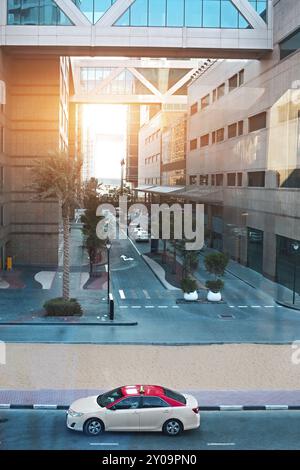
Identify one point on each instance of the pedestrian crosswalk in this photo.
(141, 294)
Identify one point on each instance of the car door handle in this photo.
(166, 411)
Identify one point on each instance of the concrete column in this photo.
(269, 257)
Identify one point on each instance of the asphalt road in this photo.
(237, 430)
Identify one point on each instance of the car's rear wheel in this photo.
(172, 427)
(93, 427)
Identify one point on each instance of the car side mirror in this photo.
(113, 408)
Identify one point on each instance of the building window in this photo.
(256, 179)
(1, 139)
(212, 180)
(214, 95)
(1, 216)
(204, 140)
(259, 121)
(203, 180)
(221, 91)
(205, 101)
(290, 44)
(232, 130)
(240, 127)
(233, 82)
(213, 137)
(193, 144)
(240, 179)
(289, 178)
(220, 135)
(23, 12)
(1, 178)
(194, 109)
(180, 13)
(241, 77)
(193, 179)
(231, 179)
(219, 179)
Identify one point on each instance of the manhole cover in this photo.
(226, 316)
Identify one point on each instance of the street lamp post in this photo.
(295, 247)
(108, 247)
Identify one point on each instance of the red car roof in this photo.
(131, 390)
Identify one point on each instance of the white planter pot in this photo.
(190, 296)
(214, 296)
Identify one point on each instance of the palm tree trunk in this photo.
(66, 258)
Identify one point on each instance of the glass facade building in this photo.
(93, 9)
(35, 12)
(189, 13)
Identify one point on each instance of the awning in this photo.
(143, 187)
(203, 195)
(166, 189)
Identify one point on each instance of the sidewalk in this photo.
(238, 279)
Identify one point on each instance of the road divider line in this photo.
(255, 306)
(242, 306)
(146, 294)
(123, 306)
(221, 443)
(163, 306)
(122, 295)
(149, 306)
(136, 306)
(269, 306)
(104, 444)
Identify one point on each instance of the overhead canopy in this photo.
(143, 187)
(166, 189)
(200, 194)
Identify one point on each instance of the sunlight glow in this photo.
(106, 125)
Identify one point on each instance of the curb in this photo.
(149, 261)
(7, 406)
(103, 323)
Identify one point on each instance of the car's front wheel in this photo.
(93, 427)
(172, 427)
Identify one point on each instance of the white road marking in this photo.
(106, 268)
(243, 306)
(269, 306)
(111, 296)
(138, 251)
(175, 306)
(149, 306)
(255, 306)
(146, 294)
(163, 306)
(221, 443)
(231, 306)
(123, 306)
(122, 295)
(104, 444)
(136, 306)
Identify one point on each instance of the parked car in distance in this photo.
(135, 408)
(141, 236)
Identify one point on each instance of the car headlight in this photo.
(74, 414)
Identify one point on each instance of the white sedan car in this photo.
(141, 235)
(135, 408)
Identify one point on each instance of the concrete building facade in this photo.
(244, 153)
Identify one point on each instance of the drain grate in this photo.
(226, 316)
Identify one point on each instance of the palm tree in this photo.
(58, 176)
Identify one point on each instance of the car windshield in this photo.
(109, 397)
(174, 395)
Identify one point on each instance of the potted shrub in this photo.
(215, 263)
(189, 287)
(214, 290)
